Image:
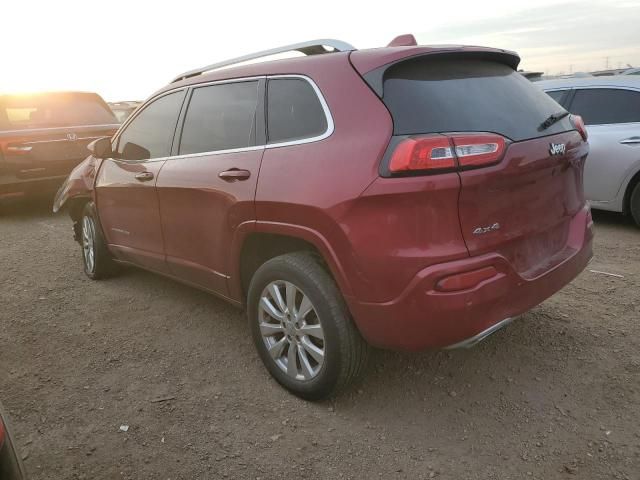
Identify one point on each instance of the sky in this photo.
(125, 50)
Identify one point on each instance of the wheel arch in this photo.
(626, 202)
(261, 241)
(75, 207)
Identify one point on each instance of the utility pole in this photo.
(606, 63)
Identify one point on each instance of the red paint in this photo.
(2, 433)
(201, 211)
(129, 213)
(387, 241)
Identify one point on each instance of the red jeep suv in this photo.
(403, 197)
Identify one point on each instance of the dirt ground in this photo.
(554, 395)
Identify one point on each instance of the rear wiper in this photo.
(551, 119)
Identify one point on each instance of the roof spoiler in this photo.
(375, 78)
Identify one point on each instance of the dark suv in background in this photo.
(44, 136)
(405, 197)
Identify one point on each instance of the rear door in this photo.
(612, 116)
(125, 186)
(520, 206)
(207, 191)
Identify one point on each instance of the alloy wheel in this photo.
(291, 330)
(88, 242)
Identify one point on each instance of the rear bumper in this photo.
(423, 317)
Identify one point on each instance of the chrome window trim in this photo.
(136, 113)
(325, 107)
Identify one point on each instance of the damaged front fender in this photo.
(79, 183)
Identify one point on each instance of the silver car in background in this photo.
(610, 108)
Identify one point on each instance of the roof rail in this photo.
(312, 47)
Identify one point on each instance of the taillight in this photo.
(578, 123)
(18, 149)
(446, 152)
(423, 153)
(478, 150)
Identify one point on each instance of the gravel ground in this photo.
(554, 395)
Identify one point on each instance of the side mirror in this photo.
(101, 148)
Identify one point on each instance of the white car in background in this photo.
(610, 108)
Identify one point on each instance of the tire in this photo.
(634, 204)
(96, 259)
(320, 322)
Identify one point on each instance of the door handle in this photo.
(630, 141)
(144, 176)
(234, 174)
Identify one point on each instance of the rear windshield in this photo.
(54, 110)
(466, 95)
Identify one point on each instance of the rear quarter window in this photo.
(437, 95)
(294, 111)
(601, 106)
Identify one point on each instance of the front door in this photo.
(126, 184)
(208, 189)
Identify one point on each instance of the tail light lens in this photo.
(478, 150)
(423, 153)
(440, 152)
(18, 149)
(578, 123)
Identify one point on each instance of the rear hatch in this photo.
(46, 135)
(520, 180)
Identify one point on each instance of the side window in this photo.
(220, 117)
(599, 106)
(559, 96)
(294, 111)
(150, 134)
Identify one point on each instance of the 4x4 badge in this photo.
(490, 228)
(557, 148)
